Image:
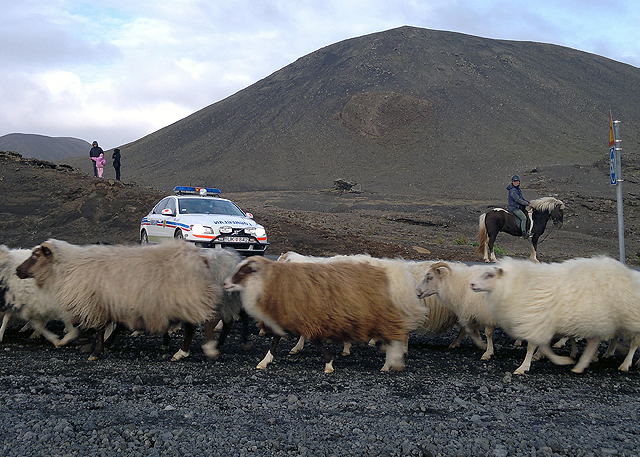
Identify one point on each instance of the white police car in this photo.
(199, 215)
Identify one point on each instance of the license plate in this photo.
(235, 239)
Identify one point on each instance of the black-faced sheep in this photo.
(595, 299)
(23, 300)
(339, 301)
(143, 287)
(451, 283)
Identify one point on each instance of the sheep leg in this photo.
(116, 328)
(587, 355)
(328, 360)
(628, 360)
(475, 336)
(5, 322)
(71, 333)
(269, 357)
(39, 326)
(210, 345)
(99, 345)
(346, 349)
(183, 352)
(298, 347)
(394, 356)
(555, 358)
(244, 317)
(526, 364)
(456, 342)
(611, 349)
(561, 342)
(488, 332)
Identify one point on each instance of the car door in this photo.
(167, 219)
(156, 220)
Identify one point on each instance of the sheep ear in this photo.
(499, 272)
(441, 270)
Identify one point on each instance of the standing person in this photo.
(95, 152)
(116, 162)
(100, 162)
(517, 204)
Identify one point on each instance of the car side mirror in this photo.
(168, 212)
(249, 215)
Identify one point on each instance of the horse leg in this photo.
(492, 240)
(534, 247)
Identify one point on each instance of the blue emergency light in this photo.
(202, 191)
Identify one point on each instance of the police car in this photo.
(199, 215)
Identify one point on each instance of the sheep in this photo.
(222, 262)
(20, 298)
(438, 321)
(143, 287)
(450, 282)
(349, 300)
(595, 299)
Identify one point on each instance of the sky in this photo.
(116, 70)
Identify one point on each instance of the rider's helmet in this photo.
(515, 178)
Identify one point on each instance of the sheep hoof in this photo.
(623, 367)
(577, 370)
(328, 368)
(92, 358)
(260, 366)
(486, 356)
(247, 346)
(519, 371)
(179, 355)
(346, 353)
(210, 349)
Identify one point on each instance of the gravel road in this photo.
(447, 402)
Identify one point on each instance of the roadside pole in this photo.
(615, 151)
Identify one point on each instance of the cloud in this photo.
(118, 70)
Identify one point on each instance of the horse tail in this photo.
(483, 238)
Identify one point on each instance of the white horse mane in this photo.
(547, 204)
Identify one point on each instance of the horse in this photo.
(500, 220)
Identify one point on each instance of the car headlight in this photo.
(199, 229)
(260, 232)
(226, 229)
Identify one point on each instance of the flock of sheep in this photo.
(347, 299)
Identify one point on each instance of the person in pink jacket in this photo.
(100, 163)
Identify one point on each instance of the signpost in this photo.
(615, 151)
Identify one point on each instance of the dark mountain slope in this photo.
(403, 111)
(44, 147)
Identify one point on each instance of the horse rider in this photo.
(517, 204)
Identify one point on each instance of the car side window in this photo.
(171, 204)
(160, 206)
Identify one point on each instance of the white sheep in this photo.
(595, 299)
(349, 300)
(451, 283)
(21, 299)
(143, 287)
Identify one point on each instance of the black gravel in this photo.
(447, 402)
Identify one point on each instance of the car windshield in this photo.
(208, 206)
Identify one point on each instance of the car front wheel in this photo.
(144, 238)
(178, 235)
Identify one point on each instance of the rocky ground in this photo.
(134, 401)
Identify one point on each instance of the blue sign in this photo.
(612, 165)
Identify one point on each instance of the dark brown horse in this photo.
(500, 220)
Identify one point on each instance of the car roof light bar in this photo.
(202, 191)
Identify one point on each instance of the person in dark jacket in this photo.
(116, 162)
(95, 152)
(517, 204)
